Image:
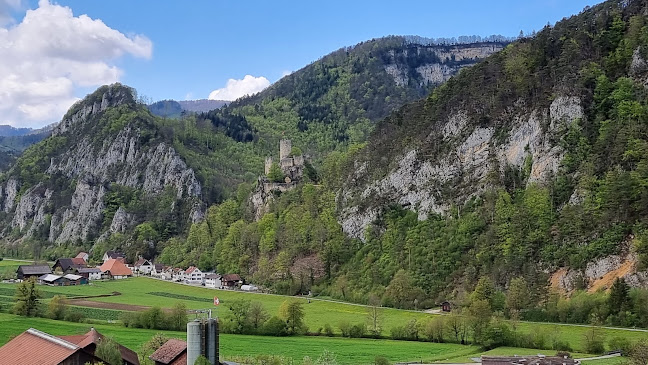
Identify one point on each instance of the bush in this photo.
(74, 316)
(620, 344)
(381, 361)
(328, 330)
(594, 341)
(275, 327)
(345, 328)
(357, 330)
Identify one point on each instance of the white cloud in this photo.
(50, 54)
(286, 73)
(238, 88)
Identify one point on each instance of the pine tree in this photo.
(27, 298)
(618, 298)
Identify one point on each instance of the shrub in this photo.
(74, 316)
(345, 328)
(328, 330)
(357, 330)
(620, 344)
(275, 327)
(381, 361)
(594, 341)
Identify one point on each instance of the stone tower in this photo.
(285, 147)
(268, 164)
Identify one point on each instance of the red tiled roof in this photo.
(34, 347)
(93, 338)
(170, 351)
(190, 270)
(116, 268)
(80, 255)
(79, 261)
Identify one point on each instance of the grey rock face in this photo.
(416, 181)
(91, 166)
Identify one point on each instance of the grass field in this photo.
(151, 292)
(348, 351)
(11, 263)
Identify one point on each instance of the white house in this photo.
(92, 273)
(193, 275)
(213, 281)
(178, 275)
(143, 266)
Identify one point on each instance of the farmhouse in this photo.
(90, 273)
(25, 272)
(143, 266)
(232, 280)
(66, 266)
(113, 255)
(177, 274)
(193, 275)
(213, 281)
(89, 341)
(115, 269)
(82, 255)
(173, 352)
(34, 347)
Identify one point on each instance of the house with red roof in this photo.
(173, 352)
(193, 275)
(143, 266)
(115, 269)
(34, 347)
(89, 341)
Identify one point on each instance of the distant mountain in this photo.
(7, 130)
(202, 105)
(174, 109)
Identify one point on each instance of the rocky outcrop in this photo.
(451, 59)
(417, 182)
(89, 166)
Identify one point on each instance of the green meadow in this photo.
(151, 292)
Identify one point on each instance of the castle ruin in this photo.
(291, 165)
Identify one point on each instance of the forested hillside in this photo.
(531, 165)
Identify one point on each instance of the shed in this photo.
(27, 271)
(51, 279)
(446, 306)
(231, 280)
(75, 279)
(34, 347)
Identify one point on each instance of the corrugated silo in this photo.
(194, 341)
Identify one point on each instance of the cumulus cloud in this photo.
(50, 54)
(6, 8)
(235, 89)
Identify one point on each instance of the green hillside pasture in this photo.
(348, 351)
(151, 292)
(12, 263)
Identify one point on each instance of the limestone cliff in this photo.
(102, 142)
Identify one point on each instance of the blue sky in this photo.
(198, 45)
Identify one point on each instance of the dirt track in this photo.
(104, 305)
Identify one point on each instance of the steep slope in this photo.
(105, 168)
(531, 160)
(337, 100)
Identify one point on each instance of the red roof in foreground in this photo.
(173, 349)
(34, 347)
(115, 267)
(92, 338)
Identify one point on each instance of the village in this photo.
(77, 271)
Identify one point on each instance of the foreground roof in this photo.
(34, 347)
(92, 338)
(232, 277)
(170, 351)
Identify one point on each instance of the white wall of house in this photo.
(94, 276)
(213, 283)
(195, 277)
(145, 269)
